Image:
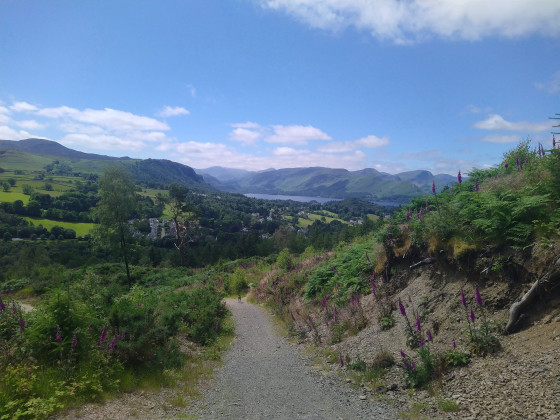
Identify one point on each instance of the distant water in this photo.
(301, 198)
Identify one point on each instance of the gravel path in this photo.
(264, 376)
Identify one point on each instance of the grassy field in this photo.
(81, 229)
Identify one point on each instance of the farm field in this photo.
(81, 229)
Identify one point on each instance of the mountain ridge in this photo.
(367, 183)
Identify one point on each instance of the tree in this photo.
(116, 206)
(184, 217)
(5, 186)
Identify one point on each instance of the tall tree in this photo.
(185, 217)
(116, 207)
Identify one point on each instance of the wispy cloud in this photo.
(413, 21)
(30, 125)
(297, 135)
(497, 122)
(369, 142)
(172, 111)
(551, 86)
(23, 107)
(501, 138)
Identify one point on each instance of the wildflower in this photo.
(471, 316)
(418, 326)
(463, 300)
(367, 258)
(401, 308)
(506, 165)
(453, 345)
(475, 186)
(459, 179)
(103, 335)
(403, 354)
(139, 304)
(113, 342)
(412, 365)
(21, 323)
(340, 360)
(433, 188)
(74, 339)
(553, 142)
(427, 208)
(477, 296)
(429, 335)
(58, 335)
(2, 306)
(311, 321)
(405, 363)
(293, 317)
(421, 342)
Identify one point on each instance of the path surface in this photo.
(265, 377)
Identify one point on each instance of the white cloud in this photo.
(102, 142)
(369, 142)
(169, 111)
(30, 125)
(7, 133)
(497, 122)
(501, 138)
(407, 21)
(552, 86)
(23, 107)
(295, 134)
(245, 136)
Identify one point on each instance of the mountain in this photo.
(423, 179)
(51, 148)
(35, 154)
(368, 183)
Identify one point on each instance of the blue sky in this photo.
(442, 85)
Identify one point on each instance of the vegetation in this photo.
(103, 320)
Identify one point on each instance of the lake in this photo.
(301, 198)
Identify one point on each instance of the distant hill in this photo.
(51, 148)
(368, 183)
(34, 154)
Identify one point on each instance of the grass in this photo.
(82, 229)
(448, 406)
(415, 412)
(13, 195)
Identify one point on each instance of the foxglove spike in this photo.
(459, 178)
(433, 188)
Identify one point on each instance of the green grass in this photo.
(81, 229)
(13, 195)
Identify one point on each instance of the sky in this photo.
(440, 85)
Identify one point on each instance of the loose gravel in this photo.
(264, 376)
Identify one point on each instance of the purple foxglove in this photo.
(463, 300)
(74, 340)
(506, 165)
(553, 142)
(429, 336)
(113, 342)
(103, 335)
(401, 308)
(58, 335)
(340, 360)
(418, 326)
(367, 258)
(453, 344)
(412, 365)
(476, 186)
(403, 354)
(2, 306)
(471, 316)
(459, 178)
(477, 296)
(433, 188)
(405, 364)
